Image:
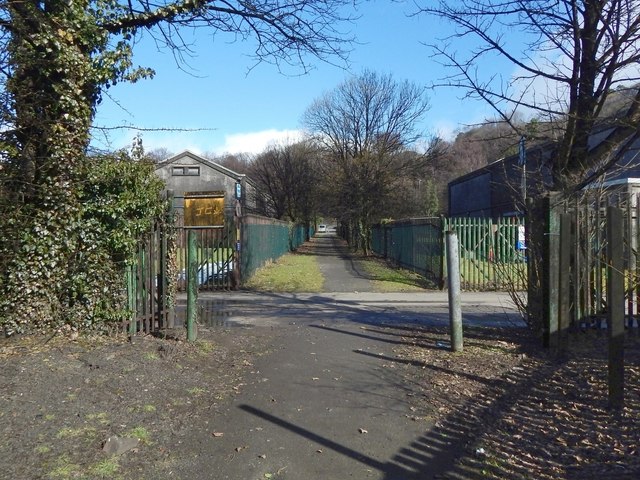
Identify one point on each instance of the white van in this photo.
(322, 228)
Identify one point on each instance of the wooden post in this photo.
(152, 280)
(550, 271)
(533, 232)
(192, 286)
(615, 307)
(442, 273)
(455, 312)
(564, 297)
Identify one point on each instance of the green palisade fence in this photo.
(492, 253)
(414, 244)
(267, 239)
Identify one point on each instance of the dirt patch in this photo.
(502, 408)
(60, 400)
(512, 410)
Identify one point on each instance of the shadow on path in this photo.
(437, 453)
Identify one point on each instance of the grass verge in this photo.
(301, 273)
(290, 273)
(388, 278)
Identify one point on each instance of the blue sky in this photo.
(243, 111)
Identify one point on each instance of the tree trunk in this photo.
(53, 94)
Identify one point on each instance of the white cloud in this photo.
(256, 142)
(201, 142)
(446, 129)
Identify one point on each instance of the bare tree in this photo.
(362, 126)
(160, 154)
(578, 50)
(286, 176)
(238, 162)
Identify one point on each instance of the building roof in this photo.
(628, 166)
(213, 165)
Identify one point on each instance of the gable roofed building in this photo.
(187, 172)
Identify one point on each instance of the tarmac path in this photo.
(323, 403)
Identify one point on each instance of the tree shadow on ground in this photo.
(547, 419)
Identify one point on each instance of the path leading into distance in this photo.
(330, 400)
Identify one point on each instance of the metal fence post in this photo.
(455, 312)
(192, 285)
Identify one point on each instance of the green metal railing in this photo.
(414, 244)
(492, 254)
(267, 239)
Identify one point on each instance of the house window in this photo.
(183, 170)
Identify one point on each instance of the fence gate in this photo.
(216, 256)
(217, 236)
(147, 283)
(492, 252)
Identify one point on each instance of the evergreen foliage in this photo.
(118, 200)
(67, 219)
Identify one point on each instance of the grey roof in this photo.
(215, 166)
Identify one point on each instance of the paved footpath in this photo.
(321, 404)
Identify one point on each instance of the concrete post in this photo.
(455, 311)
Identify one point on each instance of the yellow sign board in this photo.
(204, 210)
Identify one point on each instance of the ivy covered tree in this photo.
(58, 57)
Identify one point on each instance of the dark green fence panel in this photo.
(299, 235)
(378, 240)
(266, 239)
(414, 244)
(492, 252)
